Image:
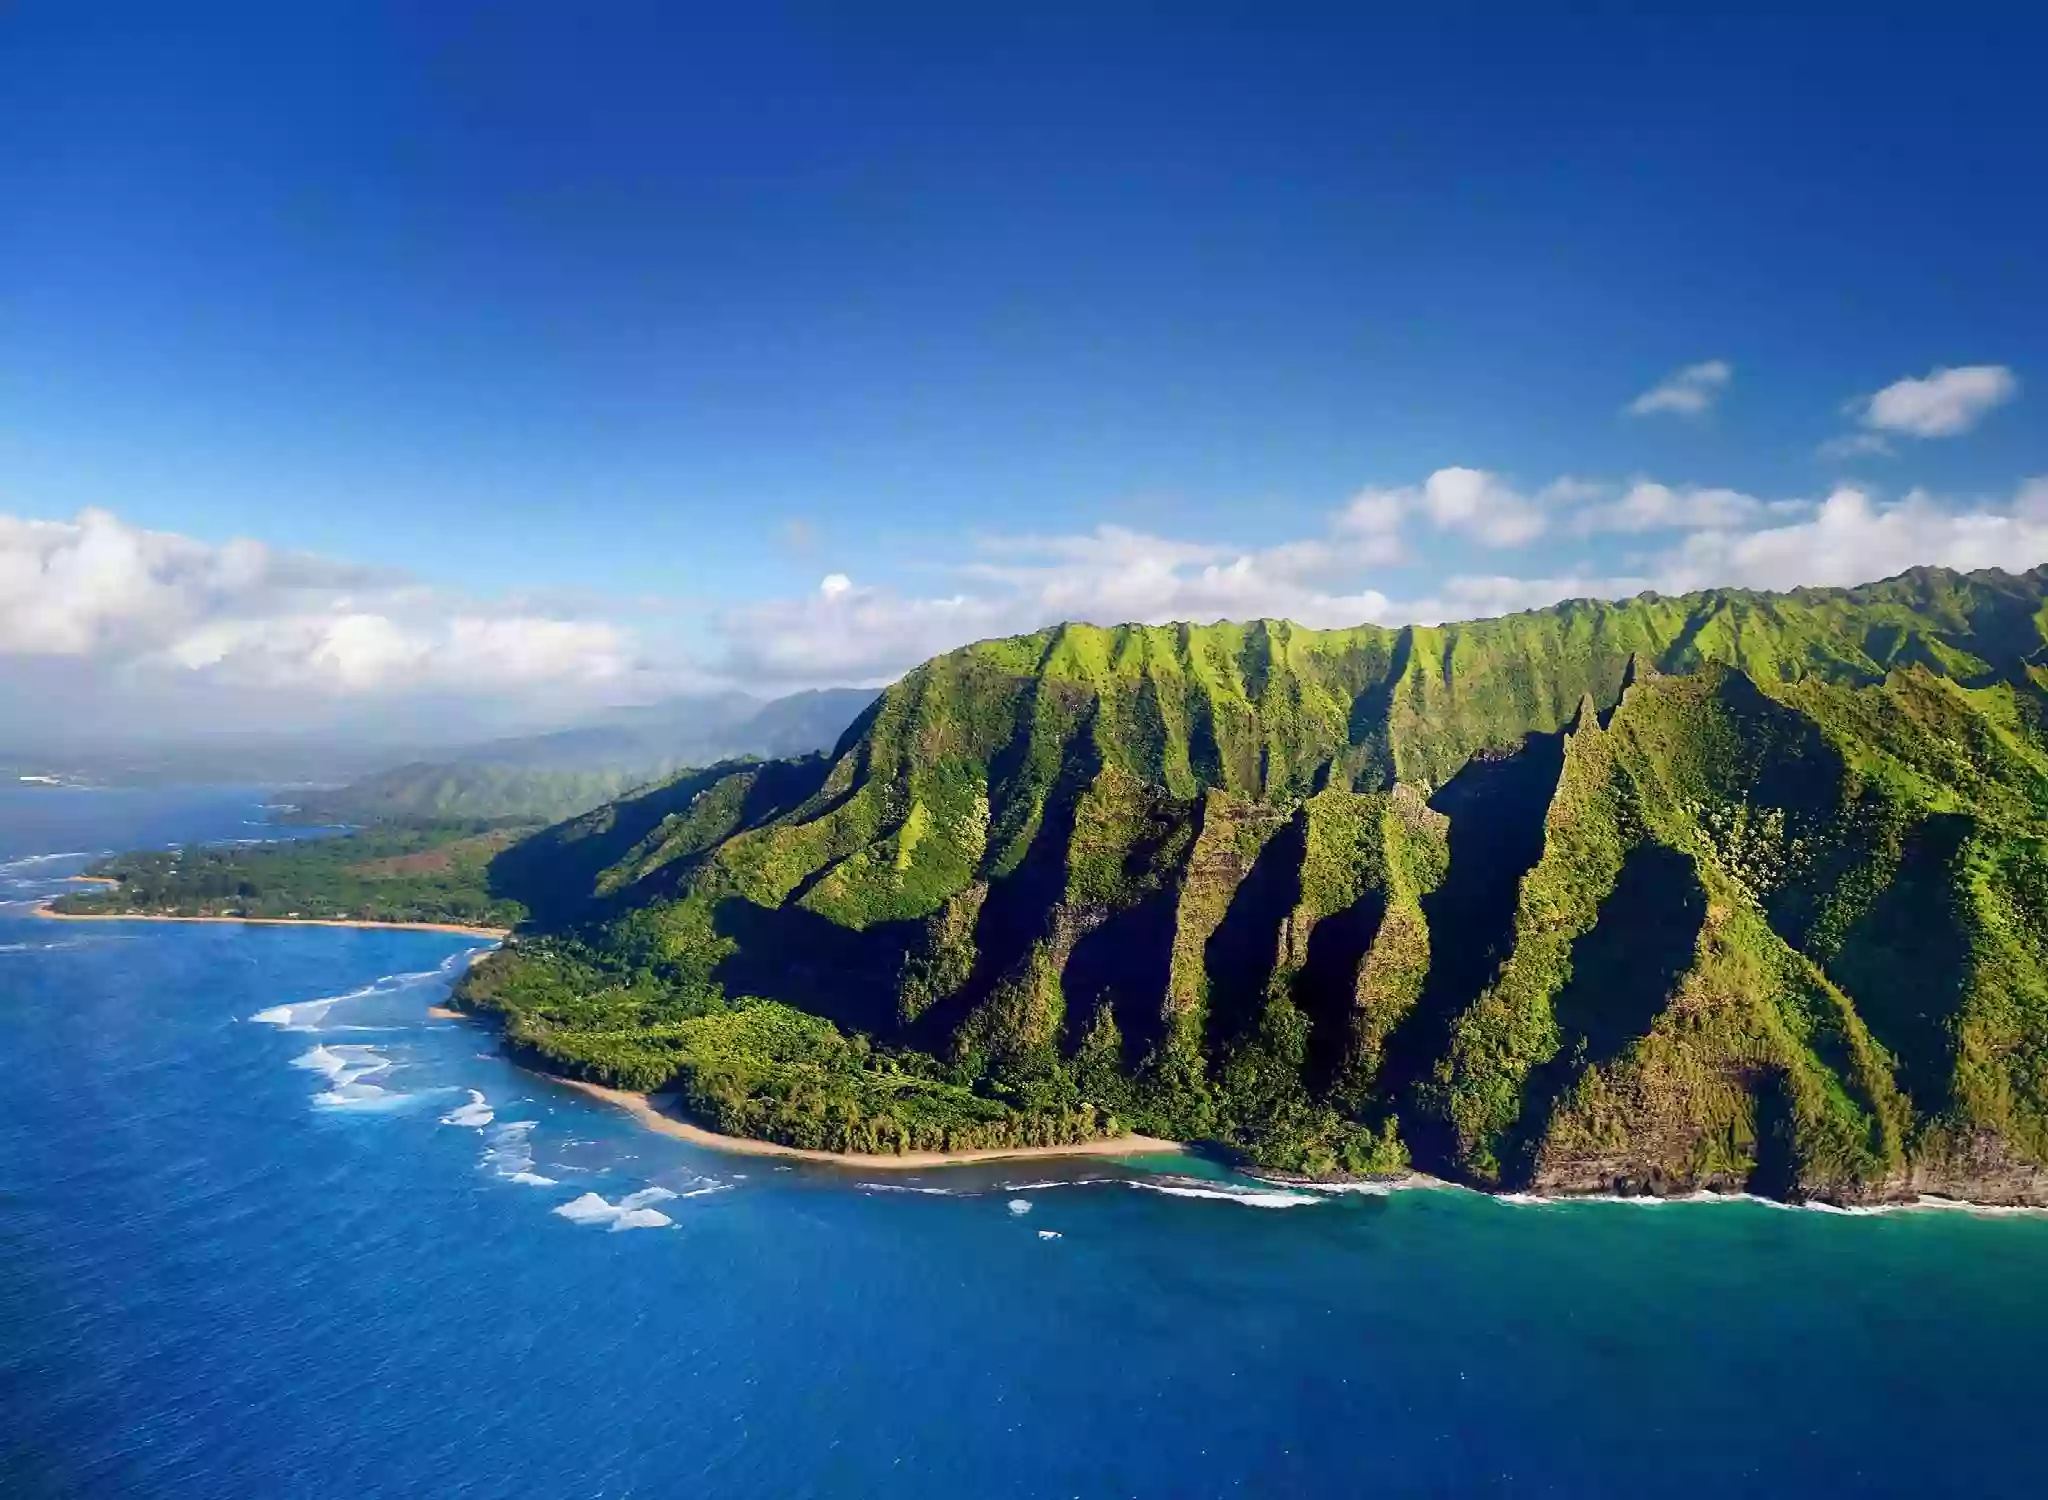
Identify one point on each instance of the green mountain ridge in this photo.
(1734, 890)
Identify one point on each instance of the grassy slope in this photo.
(1727, 889)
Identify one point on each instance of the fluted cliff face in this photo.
(1723, 890)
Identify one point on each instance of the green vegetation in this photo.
(426, 873)
(1733, 890)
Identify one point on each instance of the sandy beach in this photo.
(93, 879)
(657, 1112)
(499, 933)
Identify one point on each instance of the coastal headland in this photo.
(496, 933)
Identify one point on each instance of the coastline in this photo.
(497, 933)
(655, 1112)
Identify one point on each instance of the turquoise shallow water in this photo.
(253, 1245)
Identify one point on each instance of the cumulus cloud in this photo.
(114, 596)
(1687, 392)
(1482, 506)
(1648, 506)
(1943, 403)
(1853, 537)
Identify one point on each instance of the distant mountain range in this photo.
(556, 775)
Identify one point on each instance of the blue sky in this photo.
(616, 331)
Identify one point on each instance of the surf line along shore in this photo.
(496, 933)
(661, 1114)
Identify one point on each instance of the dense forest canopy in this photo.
(423, 872)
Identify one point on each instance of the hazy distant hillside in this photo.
(556, 775)
(1729, 890)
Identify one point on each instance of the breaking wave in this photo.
(22, 862)
(906, 1187)
(343, 1063)
(1195, 1187)
(510, 1154)
(630, 1212)
(474, 1115)
(306, 1015)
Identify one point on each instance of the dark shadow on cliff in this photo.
(1904, 963)
(1326, 989)
(1127, 961)
(1496, 805)
(793, 955)
(1241, 953)
(1776, 1172)
(1623, 974)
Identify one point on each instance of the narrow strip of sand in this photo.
(658, 1113)
(500, 933)
(93, 879)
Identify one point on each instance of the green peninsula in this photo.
(433, 872)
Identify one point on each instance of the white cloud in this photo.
(114, 596)
(1854, 538)
(1482, 506)
(1688, 392)
(1648, 506)
(1944, 403)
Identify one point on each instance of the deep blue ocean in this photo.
(268, 1230)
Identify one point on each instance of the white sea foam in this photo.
(474, 1115)
(510, 1154)
(1020, 1206)
(365, 1098)
(644, 1197)
(630, 1212)
(344, 1063)
(22, 862)
(1362, 1189)
(588, 1209)
(1194, 1187)
(306, 1015)
(641, 1218)
(906, 1187)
